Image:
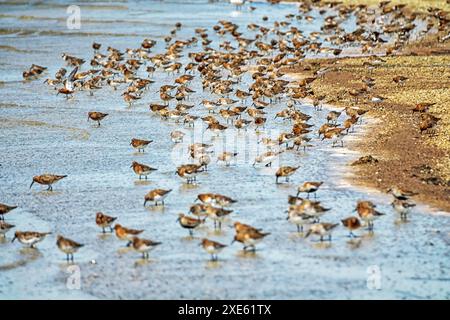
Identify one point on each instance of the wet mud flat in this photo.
(42, 132)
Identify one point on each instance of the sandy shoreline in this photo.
(406, 158)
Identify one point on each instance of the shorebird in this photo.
(140, 144)
(250, 238)
(156, 195)
(47, 180)
(217, 215)
(285, 171)
(242, 227)
(311, 208)
(242, 124)
(367, 212)
(402, 207)
(259, 122)
(68, 88)
(189, 223)
(104, 221)
(126, 234)
(351, 223)
(321, 229)
(216, 199)
(212, 247)
(298, 217)
(177, 136)
(333, 116)
(96, 46)
(189, 172)
(427, 123)
(237, 3)
(216, 128)
(309, 187)
(401, 194)
(335, 133)
(209, 105)
(129, 98)
(68, 246)
(267, 158)
(204, 160)
(96, 116)
(325, 127)
(143, 246)
(400, 80)
(226, 157)
(33, 72)
(5, 227)
(4, 209)
(422, 107)
(142, 169)
(30, 238)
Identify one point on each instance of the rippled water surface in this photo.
(42, 132)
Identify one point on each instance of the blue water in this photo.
(42, 132)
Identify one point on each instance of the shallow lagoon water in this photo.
(42, 132)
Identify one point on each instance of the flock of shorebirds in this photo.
(237, 105)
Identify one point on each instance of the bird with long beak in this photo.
(189, 172)
(30, 238)
(286, 172)
(250, 238)
(298, 217)
(212, 247)
(104, 221)
(351, 223)
(4, 209)
(242, 227)
(142, 169)
(68, 246)
(140, 144)
(47, 179)
(126, 234)
(143, 246)
(226, 157)
(4, 228)
(156, 195)
(402, 207)
(96, 116)
(367, 212)
(216, 199)
(309, 187)
(189, 223)
(401, 194)
(321, 229)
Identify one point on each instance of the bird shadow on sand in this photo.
(157, 209)
(317, 244)
(215, 232)
(214, 264)
(354, 243)
(185, 187)
(248, 254)
(31, 254)
(285, 185)
(142, 182)
(124, 250)
(144, 262)
(296, 235)
(104, 236)
(137, 154)
(46, 193)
